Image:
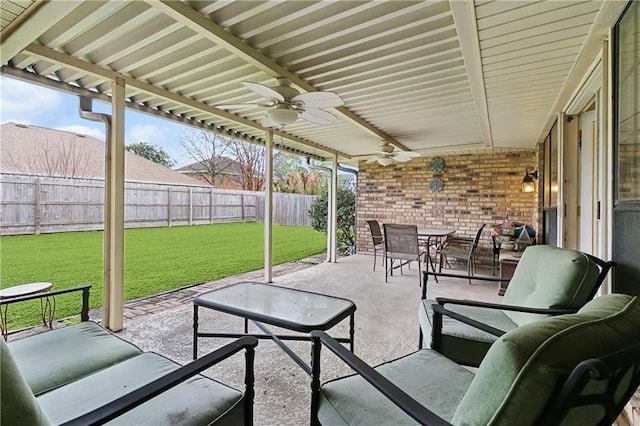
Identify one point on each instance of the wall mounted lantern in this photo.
(529, 181)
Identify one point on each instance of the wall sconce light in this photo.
(528, 183)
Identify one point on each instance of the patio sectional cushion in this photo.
(550, 277)
(55, 358)
(460, 342)
(433, 380)
(198, 400)
(19, 406)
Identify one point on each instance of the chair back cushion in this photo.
(524, 369)
(550, 277)
(19, 406)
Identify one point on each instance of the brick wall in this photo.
(478, 188)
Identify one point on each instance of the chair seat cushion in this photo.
(198, 400)
(461, 342)
(61, 356)
(431, 379)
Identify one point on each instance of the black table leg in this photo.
(195, 331)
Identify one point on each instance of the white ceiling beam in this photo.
(464, 17)
(194, 20)
(34, 22)
(49, 54)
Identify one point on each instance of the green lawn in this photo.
(156, 260)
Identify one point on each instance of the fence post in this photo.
(242, 205)
(38, 206)
(169, 206)
(190, 206)
(211, 205)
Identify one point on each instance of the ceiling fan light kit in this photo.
(282, 116)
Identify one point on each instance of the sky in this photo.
(35, 105)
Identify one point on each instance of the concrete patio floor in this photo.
(386, 328)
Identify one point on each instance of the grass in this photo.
(156, 260)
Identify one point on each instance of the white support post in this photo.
(268, 209)
(561, 137)
(114, 207)
(332, 213)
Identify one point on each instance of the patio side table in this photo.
(291, 309)
(47, 309)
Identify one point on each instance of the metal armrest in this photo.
(396, 395)
(426, 274)
(551, 311)
(84, 314)
(139, 396)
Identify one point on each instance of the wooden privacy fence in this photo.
(33, 205)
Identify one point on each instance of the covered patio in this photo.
(386, 322)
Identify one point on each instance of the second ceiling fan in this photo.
(286, 104)
(387, 154)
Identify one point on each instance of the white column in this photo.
(332, 213)
(114, 213)
(561, 185)
(268, 209)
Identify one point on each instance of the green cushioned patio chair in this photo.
(572, 369)
(547, 281)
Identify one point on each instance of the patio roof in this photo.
(440, 76)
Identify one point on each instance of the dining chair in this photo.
(377, 239)
(461, 248)
(401, 243)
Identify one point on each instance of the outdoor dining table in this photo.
(434, 233)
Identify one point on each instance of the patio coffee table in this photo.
(295, 310)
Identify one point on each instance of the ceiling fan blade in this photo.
(243, 105)
(318, 100)
(318, 116)
(371, 160)
(406, 154)
(401, 159)
(264, 91)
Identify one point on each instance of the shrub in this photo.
(346, 217)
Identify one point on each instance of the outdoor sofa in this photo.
(84, 374)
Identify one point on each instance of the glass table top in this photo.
(290, 308)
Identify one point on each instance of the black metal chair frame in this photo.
(410, 253)
(439, 310)
(471, 243)
(378, 240)
(615, 367)
(84, 313)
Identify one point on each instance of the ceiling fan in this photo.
(286, 104)
(387, 155)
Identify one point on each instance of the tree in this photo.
(208, 150)
(151, 152)
(250, 158)
(318, 213)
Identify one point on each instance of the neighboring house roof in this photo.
(37, 150)
(231, 167)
